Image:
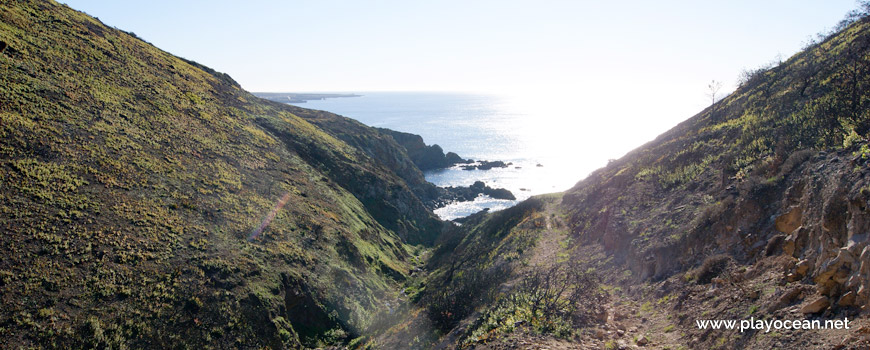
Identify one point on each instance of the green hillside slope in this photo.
(132, 181)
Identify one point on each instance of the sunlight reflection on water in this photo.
(551, 147)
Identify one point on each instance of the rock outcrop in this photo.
(476, 189)
(425, 157)
(486, 165)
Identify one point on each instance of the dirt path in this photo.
(548, 246)
(628, 320)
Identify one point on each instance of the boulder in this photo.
(602, 315)
(847, 299)
(774, 245)
(599, 334)
(788, 247)
(836, 270)
(642, 340)
(802, 267)
(790, 221)
(817, 305)
(786, 299)
(795, 242)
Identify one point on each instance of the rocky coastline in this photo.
(432, 157)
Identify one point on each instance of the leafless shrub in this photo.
(712, 267)
(562, 292)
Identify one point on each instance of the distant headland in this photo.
(292, 97)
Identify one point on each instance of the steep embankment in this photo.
(132, 180)
(756, 207)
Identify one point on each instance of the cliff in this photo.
(425, 157)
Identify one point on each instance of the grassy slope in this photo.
(131, 178)
(710, 185)
(657, 196)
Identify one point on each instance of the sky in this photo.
(640, 66)
(483, 46)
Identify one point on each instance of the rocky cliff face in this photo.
(425, 157)
(824, 215)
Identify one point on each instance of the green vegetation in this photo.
(693, 203)
(752, 310)
(753, 139)
(131, 180)
(557, 300)
(469, 279)
(647, 307)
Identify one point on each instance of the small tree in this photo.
(712, 90)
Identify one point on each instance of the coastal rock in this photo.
(425, 157)
(461, 194)
(453, 158)
(499, 193)
(486, 165)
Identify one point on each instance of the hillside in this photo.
(148, 201)
(755, 207)
(133, 184)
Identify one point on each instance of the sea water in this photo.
(546, 145)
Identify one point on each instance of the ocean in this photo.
(545, 145)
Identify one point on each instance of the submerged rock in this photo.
(462, 194)
(487, 165)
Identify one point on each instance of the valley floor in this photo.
(664, 314)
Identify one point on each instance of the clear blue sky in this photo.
(635, 68)
(472, 45)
